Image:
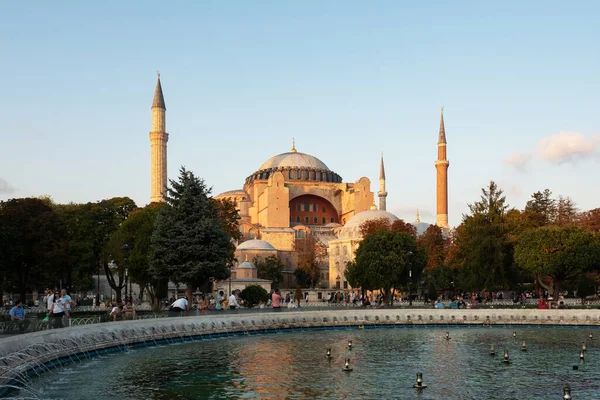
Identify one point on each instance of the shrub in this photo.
(254, 295)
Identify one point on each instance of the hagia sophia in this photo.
(292, 195)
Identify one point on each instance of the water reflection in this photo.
(385, 361)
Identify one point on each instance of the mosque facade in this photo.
(294, 195)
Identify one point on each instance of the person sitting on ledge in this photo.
(542, 304)
(114, 313)
(17, 316)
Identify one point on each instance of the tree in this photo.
(405, 227)
(107, 217)
(78, 264)
(434, 243)
(374, 225)
(566, 212)
(137, 231)
(540, 210)
(229, 217)
(383, 260)
(482, 252)
(559, 253)
(590, 220)
(29, 240)
(189, 243)
(253, 295)
(270, 268)
(311, 255)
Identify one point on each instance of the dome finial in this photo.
(418, 217)
(373, 207)
(293, 150)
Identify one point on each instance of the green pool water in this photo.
(385, 362)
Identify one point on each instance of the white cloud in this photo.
(567, 147)
(519, 160)
(5, 187)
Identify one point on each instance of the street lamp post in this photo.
(126, 249)
(408, 256)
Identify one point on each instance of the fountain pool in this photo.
(385, 362)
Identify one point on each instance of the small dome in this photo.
(255, 244)
(421, 227)
(293, 159)
(352, 228)
(246, 265)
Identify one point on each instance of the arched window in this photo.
(345, 250)
(251, 234)
(290, 175)
(315, 207)
(315, 220)
(324, 220)
(313, 175)
(306, 220)
(298, 218)
(298, 174)
(299, 234)
(332, 219)
(337, 252)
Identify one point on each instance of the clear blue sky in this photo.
(347, 79)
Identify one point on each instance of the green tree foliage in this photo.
(229, 216)
(483, 252)
(253, 295)
(78, 264)
(137, 231)
(540, 210)
(189, 243)
(270, 268)
(558, 253)
(383, 260)
(108, 215)
(29, 240)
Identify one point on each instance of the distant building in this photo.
(294, 194)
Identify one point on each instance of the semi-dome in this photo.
(255, 244)
(294, 160)
(352, 228)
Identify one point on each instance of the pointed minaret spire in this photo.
(441, 165)
(159, 100)
(418, 217)
(442, 135)
(293, 150)
(382, 193)
(158, 141)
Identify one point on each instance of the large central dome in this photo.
(294, 160)
(295, 167)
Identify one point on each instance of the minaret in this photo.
(382, 193)
(158, 141)
(441, 165)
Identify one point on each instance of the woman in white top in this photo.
(58, 311)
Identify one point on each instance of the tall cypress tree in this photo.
(189, 244)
